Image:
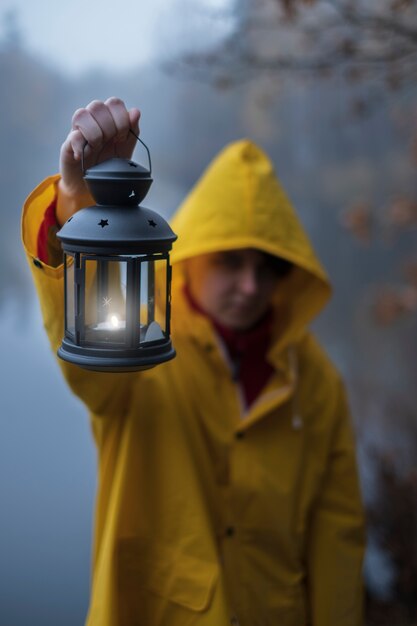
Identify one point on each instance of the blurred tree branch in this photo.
(363, 39)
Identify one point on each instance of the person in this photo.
(227, 481)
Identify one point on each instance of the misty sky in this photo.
(78, 35)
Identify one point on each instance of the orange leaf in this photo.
(402, 212)
(358, 220)
(388, 307)
(410, 271)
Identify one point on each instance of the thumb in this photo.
(134, 116)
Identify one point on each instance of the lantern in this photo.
(117, 274)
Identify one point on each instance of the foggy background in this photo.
(328, 158)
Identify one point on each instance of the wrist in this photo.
(70, 201)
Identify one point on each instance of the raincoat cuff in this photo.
(36, 218)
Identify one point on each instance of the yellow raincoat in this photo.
(208, 514)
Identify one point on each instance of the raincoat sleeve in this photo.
(104, 394)
(336, 538)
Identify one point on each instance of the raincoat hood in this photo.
(239, 203)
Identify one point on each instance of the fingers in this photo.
(96, 125)
(120, 116)
(99, 131)
(134, 116)
(101, 125)
(73, 146)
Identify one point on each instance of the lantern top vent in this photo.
(116, 169)
(117, 181)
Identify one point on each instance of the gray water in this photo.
(47, 483)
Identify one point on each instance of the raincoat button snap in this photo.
(240, 435)
(37, 263)
(230, 531)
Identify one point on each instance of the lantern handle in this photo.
(146, 148)
(137, 137)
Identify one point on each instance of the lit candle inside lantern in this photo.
(112, 330)
(112, 323)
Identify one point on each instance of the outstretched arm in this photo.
(102, 129)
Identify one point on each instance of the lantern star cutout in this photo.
(106, 301)
(103, 223)
(152, 223)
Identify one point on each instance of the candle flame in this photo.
(114, 320)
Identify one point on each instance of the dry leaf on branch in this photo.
(410, 272)
(402, 212)
(391, 303)
(358, 220)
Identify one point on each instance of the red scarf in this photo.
(247, 350)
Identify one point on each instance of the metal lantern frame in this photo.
(115, 243)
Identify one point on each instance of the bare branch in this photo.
(321, 36)
(374, 21)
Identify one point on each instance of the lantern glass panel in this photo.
(153, 285)
(69, 295)
(105, 293)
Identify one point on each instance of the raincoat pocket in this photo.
(157, 581)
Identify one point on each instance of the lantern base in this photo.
(113, 361)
